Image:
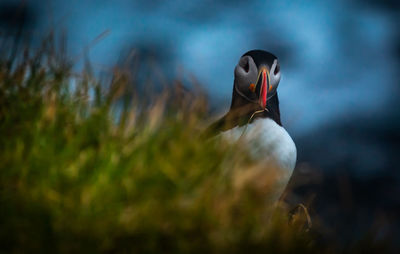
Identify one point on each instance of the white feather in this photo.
(270, 145)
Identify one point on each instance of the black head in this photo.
(261, 57)
(257, 77)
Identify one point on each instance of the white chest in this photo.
(269, 144)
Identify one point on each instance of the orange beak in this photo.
(264, 88)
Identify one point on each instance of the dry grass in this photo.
(98, 167)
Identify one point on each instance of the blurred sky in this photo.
(339, 59)
(339, 91)
(337, 56)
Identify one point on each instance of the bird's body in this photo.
(270, 146)
(254, 118)
(267, 141)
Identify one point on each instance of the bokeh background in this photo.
(339, 92)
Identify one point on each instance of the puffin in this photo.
(254, 119)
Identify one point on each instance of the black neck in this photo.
(241, 110)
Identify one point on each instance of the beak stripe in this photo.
(264, 89)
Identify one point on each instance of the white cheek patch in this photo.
(275, 78)
(243, 79)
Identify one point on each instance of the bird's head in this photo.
(257, 77)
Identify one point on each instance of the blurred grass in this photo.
(89, 166)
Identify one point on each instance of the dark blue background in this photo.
(339, 91)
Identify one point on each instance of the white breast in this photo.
(270, 145)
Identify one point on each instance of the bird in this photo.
(254, 117)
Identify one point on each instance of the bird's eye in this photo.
(246, 66)
(277, 69)
(244, 63)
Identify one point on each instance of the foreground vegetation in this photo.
(94, 167)
(89, 166)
